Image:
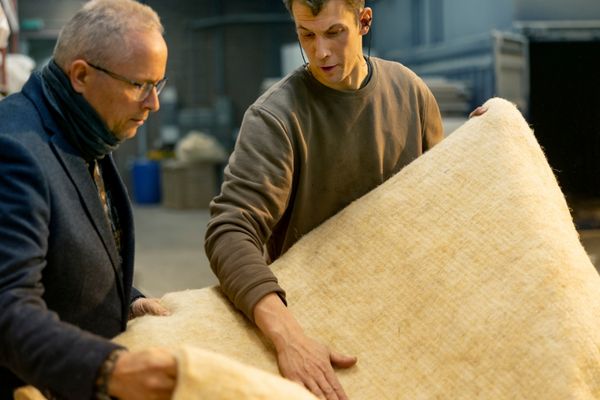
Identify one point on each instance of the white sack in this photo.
(198, 146)
(18, 71)
(4, 29)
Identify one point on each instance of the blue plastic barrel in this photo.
(146, 181)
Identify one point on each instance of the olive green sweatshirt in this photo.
(304, 152)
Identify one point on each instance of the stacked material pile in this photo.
(461, 277)
(453, 98)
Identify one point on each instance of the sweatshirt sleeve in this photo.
(35, 344)
(253, 198)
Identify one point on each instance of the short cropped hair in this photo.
(100, 29)
(317, 5)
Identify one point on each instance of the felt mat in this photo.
(461, 277)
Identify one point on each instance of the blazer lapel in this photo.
(77, 171)
(79, 174)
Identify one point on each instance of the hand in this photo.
(478, 111)
(147, 374)
(310, 363)
(143, 306)
(300, 358)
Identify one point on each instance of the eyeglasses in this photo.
(143, 89)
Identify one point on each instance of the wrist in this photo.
(105, 374)
(275, 321)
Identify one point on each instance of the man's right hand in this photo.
(301, 359)
(147, 374)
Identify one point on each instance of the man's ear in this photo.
(366, 17)
(79, 75)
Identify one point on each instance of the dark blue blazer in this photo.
(64, 287)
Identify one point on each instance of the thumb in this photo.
(478, 111)
(342, 361)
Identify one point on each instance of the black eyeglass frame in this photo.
(144, 87)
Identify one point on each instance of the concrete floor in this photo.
(170, 250)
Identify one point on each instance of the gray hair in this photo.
(100, 28)
(317, 5)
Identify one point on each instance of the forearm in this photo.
(275, 320)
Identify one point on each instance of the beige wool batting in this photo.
(462, 277)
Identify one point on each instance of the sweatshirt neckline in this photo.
(358, 93)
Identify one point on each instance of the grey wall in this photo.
(405, 24)
(463, 18)
(557, 9)
(392, 28)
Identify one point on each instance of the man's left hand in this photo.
(143, 306)
(478, 111)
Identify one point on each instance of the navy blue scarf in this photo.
(79, 121)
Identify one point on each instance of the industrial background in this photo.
(539, 53)
(544, 55)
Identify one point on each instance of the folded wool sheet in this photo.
(461, 277)
(210, 376)
(207, 375)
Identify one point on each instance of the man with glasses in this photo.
(66, 229)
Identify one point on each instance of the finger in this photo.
(137, 308)
(169, 384)
(171, 369)
(164, 390)
(149, 306)
(159, 382)
(478, 111)
(311, 385)
(342, 361)
(166, 361)
(474, 112)
(155, 308)
(331, 386)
